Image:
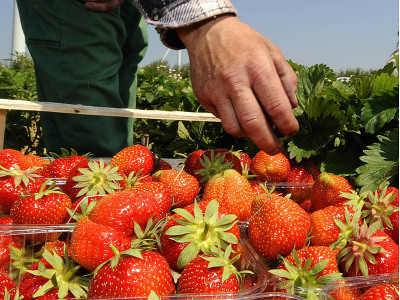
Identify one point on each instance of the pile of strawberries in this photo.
(143, 229)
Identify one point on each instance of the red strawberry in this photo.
(38, 162)
(53, 277)
(49, 206)
(344, 292)
(324, 231)
(273, 168)
(195, 229)
(62, 165)
(327, 190)
(191, 162)
(93, 178)
(369, 251)
(7, 240)
(111, 222)
(271, 224)
(232, 191)
(381, 292)
(83, 206)
(210, 274)
(301, 181)
(134, 275)
(184, 187)
(306, 271)
(160, 191)
(10, 158)
(7, 286)
(16, 183)
(383, 206)
(134, 159)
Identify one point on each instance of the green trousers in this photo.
(89, 58)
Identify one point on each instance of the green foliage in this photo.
(163, 88)
(350, 128)
(23, 130)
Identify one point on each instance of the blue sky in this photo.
(341, 34)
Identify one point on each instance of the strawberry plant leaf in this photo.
(342, 162)
(381, 163)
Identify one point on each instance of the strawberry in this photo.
(191, 162)
(133, 273)
(306, 271)
(161, 193)
(10, 159)
(53, 277)
(8, 287)
(211, 274)
(345, 292)
(16, 183)
(7, 240)
(301, 181)
(134, 159)
(183, 187)
(82, 207)
(383, 206)
(111, 222)
(273, 168)
(90, 243)
(48, 206)
(93, 178)
(232, 191)
(369, 251)
(271, 224)
(327, 190)
(324, 230)
(381, 292)
(195, 229)
(60, 166)
(39, 162)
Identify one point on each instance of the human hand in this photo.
(102, 5)
(242, 78)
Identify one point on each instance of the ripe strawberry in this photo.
(10, 158)
(308, 270)
(62, 165)
(381, 292)
(90, 243)
(271, 224)
(48, 206)
(301, 181)
(8, 287)
(211, 274)
(134, 159)
(383, 206)
(93, 178)
(161, 193)
(191, 162)
(327, 190)
(7, 240)
(345, 292)
(272, 168)
(232, 191)
(184, 187)
(16, 183)
(195, 229)
(369, 251)
(133, 275)
(324, 231)
(39, 162)
(53, 277)
(111, 222)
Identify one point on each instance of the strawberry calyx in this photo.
(213, 165)
(21, 259)
(220, 258)
(24, 176)
(85, 206)
(201, 231)
(149, 238)
(362, 247)
(304, 280)
(346, 228)
(65, 153)
(97, 179)
(357, 201)
(62, 275)
(8, 294)
(379, 207)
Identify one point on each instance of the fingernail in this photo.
(295, 100)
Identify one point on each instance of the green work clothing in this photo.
(89, 58)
